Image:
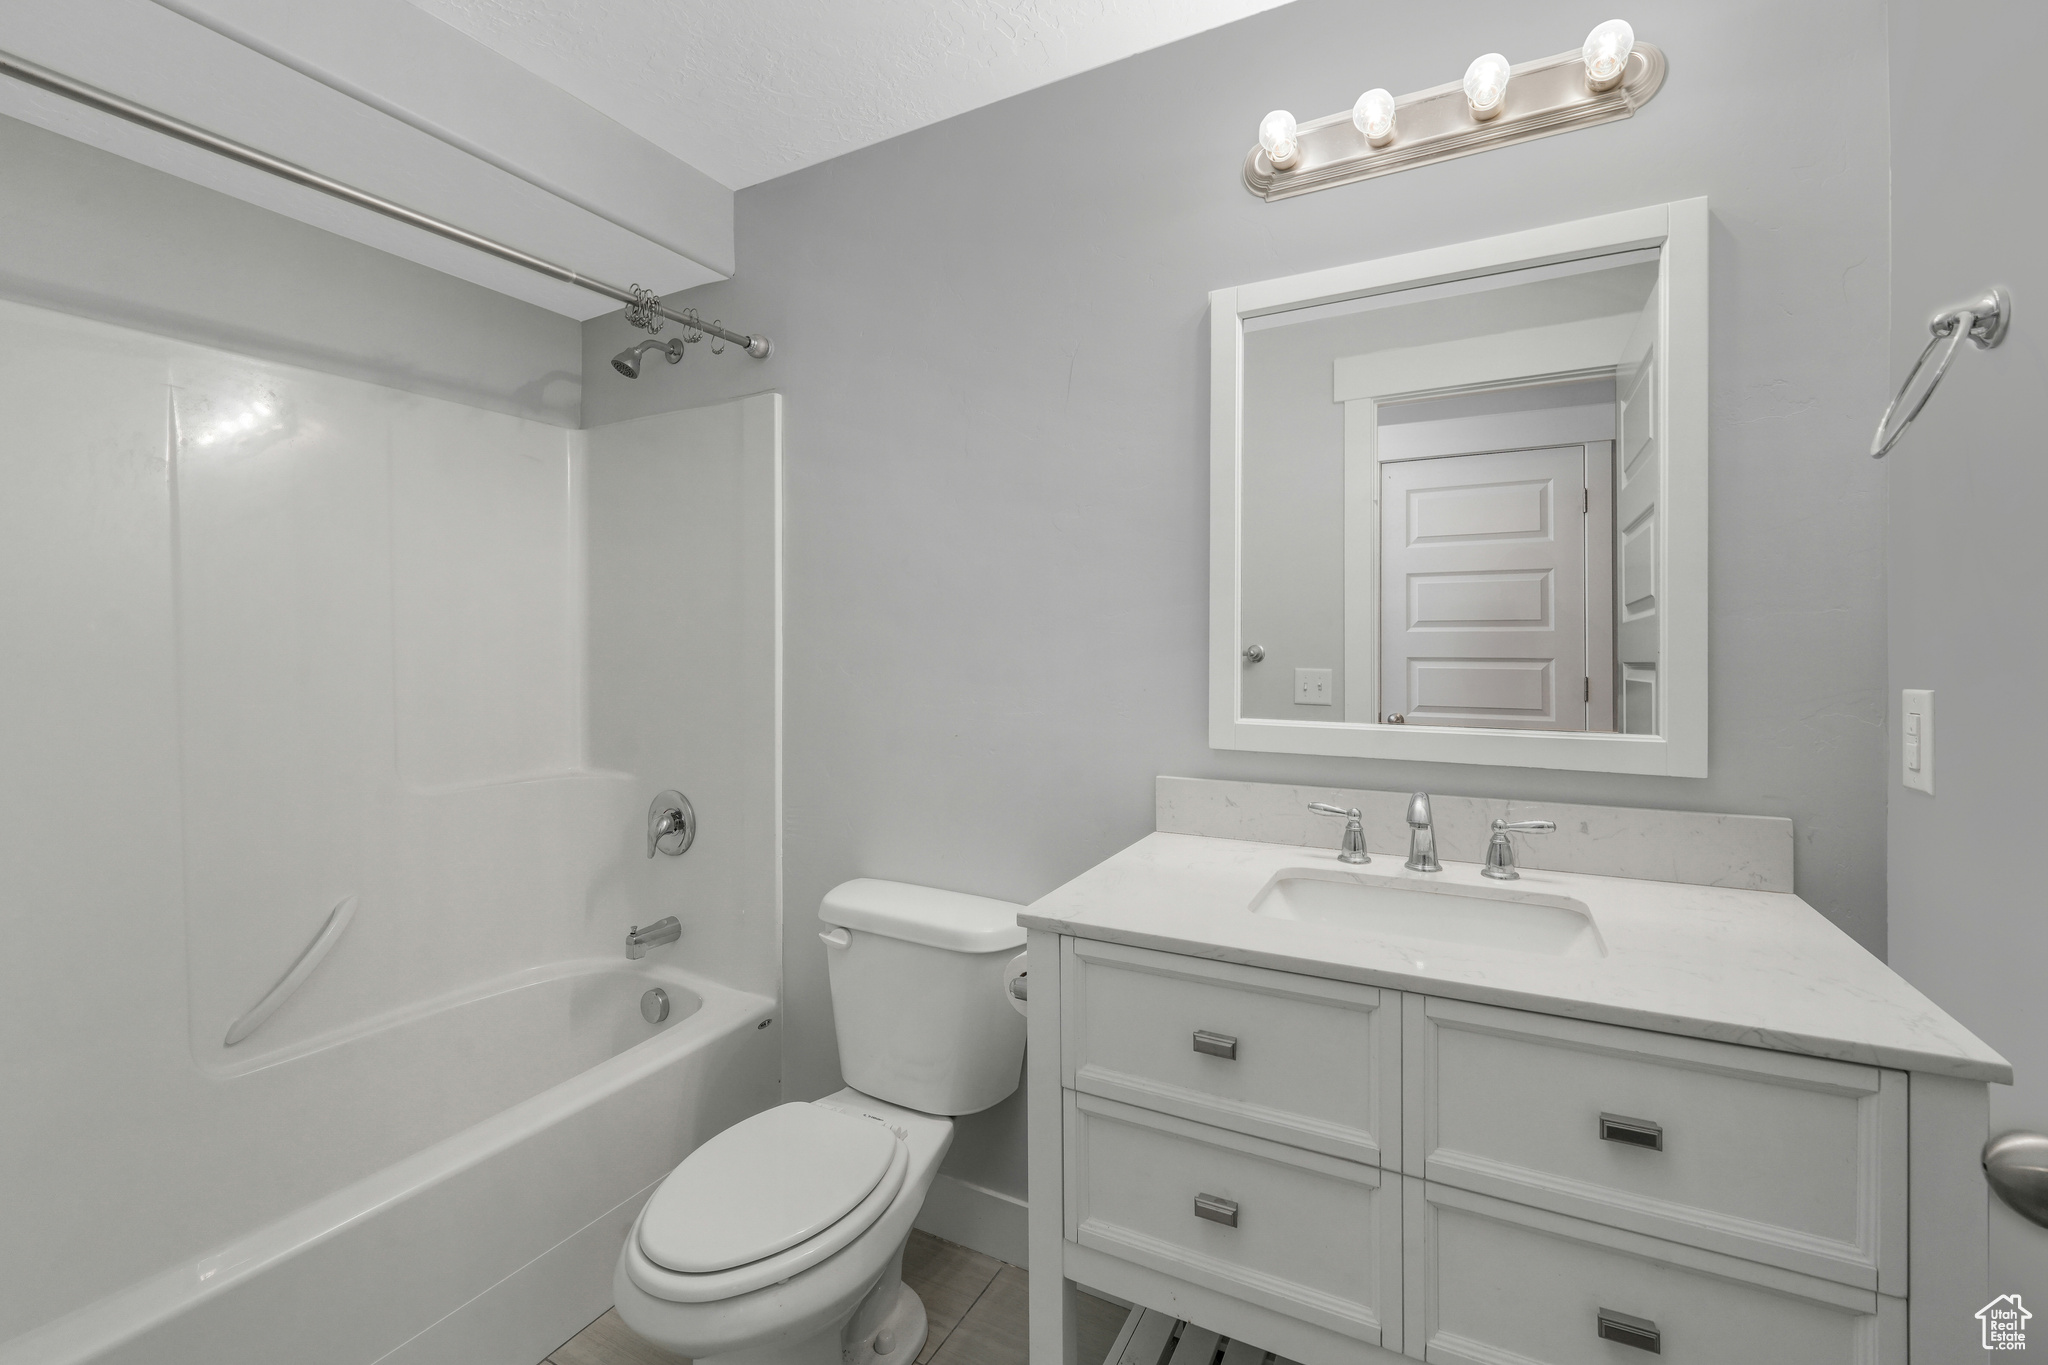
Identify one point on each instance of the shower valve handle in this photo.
(671, 825)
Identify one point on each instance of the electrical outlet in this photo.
(1916, 736)
(1313, 686)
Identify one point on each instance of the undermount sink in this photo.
(1399, 908)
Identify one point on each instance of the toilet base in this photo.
(896, 1340)
(888, 1328)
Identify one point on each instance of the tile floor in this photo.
(976, 1305)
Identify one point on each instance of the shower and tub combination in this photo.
(377, 689)
(347, 704)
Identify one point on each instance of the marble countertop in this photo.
(1760, 968)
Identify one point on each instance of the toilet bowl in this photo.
(780, 1241)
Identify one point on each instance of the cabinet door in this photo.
(1296, 1059)
(1311, 1236)
(1797, 1162)
(1494, 1282)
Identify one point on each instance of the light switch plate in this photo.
(1916, 739)
(1313, 686)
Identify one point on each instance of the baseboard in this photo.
(977, 1217)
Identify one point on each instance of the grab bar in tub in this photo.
(329, 935)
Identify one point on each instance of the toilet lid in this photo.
(764, 1185)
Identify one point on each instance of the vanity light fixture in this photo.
(1279, 138)
(1486, 86)
(1608, 77)
(1373, 116)
(1606, 54)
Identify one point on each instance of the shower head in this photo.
(627, 362)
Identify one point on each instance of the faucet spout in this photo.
(1421, 836)
(639, 940)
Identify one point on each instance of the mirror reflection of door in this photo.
(1488, 564)
(1429, 496)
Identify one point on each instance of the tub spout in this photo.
(639, 940)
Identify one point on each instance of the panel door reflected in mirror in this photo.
(1484, 617)
(1450, 504)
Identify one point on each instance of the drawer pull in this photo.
(1640, 1333)
(1216, 1044)
(1216, 1210)
(1632, 1132)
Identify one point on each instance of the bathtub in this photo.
(493, 1244)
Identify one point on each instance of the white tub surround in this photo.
(339, 645)
(1687, 1118)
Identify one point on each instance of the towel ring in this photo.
(1983, 322)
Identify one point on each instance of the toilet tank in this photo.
(918, 994)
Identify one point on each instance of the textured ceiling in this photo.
(746, 90)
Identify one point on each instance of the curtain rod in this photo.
(643, 307)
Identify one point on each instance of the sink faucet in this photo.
(639, 940)
(1421, 836)
(1354, 833)
(1500, 852)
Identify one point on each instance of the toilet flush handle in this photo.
(1017, 984)
(836, 938)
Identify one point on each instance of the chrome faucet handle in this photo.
(1500, 851)
(671, 824)
(1421, 836)
(1354, 833)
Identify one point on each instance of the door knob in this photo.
(2016, 1165)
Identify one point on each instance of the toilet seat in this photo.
(767, 1198)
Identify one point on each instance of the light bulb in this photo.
(1374, 115)
(1606, 53)
(1486, 85)
(1279, 135)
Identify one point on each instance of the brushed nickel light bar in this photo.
(1495, 105)
(643, 308)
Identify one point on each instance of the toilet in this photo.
(780, 1241)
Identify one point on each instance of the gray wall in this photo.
(91, 233)
(1968, 485)
(992, 338)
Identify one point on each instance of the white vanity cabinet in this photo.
(1342, 1173)
(1235, 1129)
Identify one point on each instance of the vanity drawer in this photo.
(1296, 1059)
(1797, 1162)
(1311, 1236)
(1498, 1281)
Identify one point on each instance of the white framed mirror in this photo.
(1458, 502)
